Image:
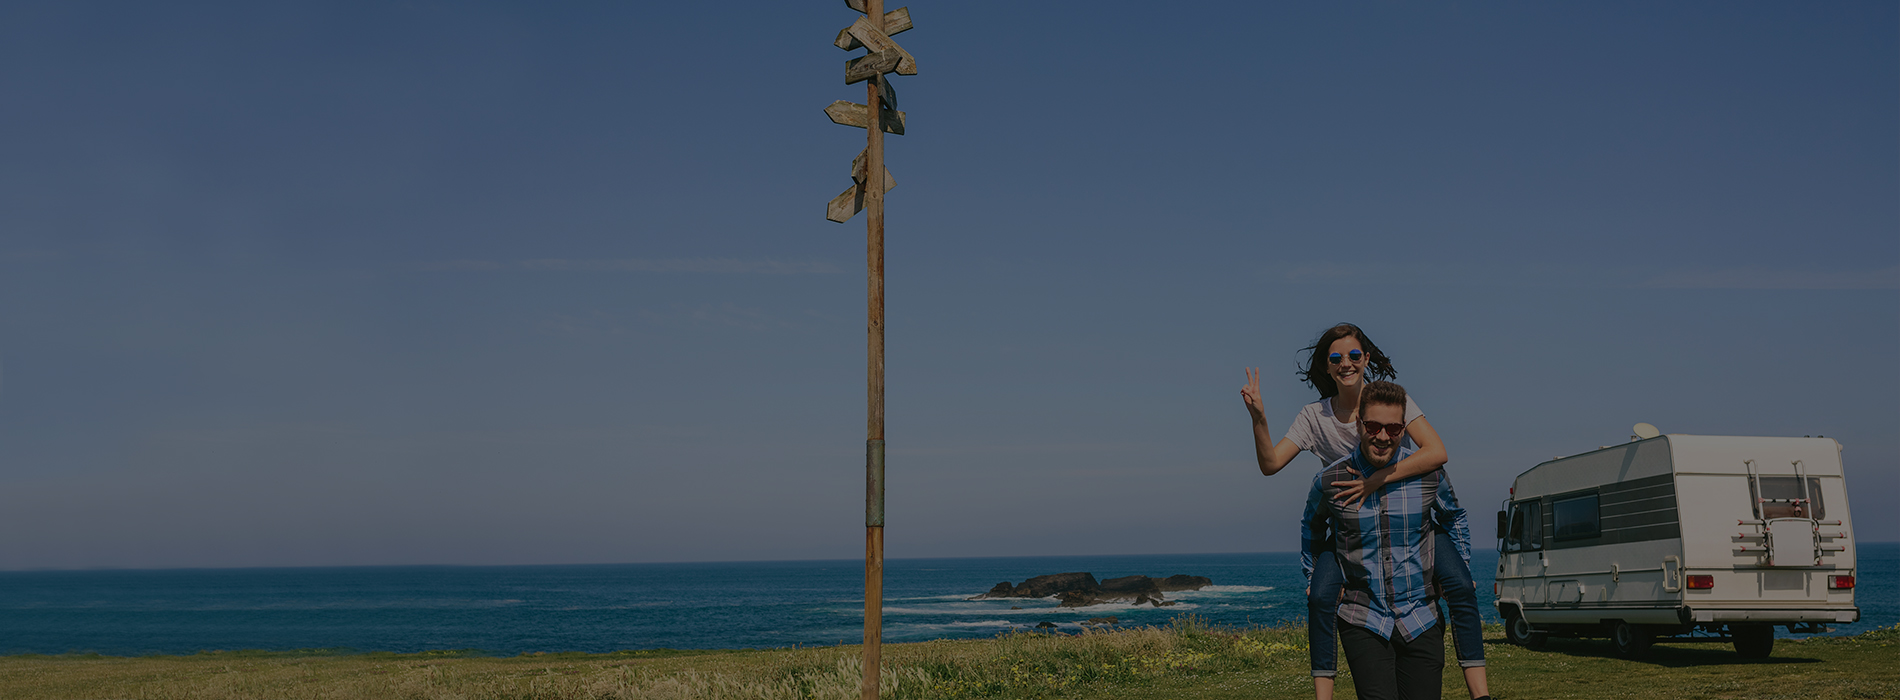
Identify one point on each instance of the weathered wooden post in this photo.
(870, 180)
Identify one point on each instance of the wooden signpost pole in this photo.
(874, 382)
(874, 385)
(871, 180)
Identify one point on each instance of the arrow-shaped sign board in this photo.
(886, 94)
(895, 22)
(871, 65)
(848, 203)
(854, 114)
(857, 172)
(876, 41)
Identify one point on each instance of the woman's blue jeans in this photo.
(1454, 585)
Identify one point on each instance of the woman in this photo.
(1338, 367)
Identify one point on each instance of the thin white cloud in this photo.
(714, 265)
(461, 265)
(723, 315)
(729, 266)
(1584, 276)
(29, 255)
(1765, 278)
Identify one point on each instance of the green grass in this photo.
(1185, 660)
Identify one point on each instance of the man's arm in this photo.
(1315, 526)
(1453, 517)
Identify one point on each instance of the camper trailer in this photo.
(1679, 538)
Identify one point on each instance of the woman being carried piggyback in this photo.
(1341, 362)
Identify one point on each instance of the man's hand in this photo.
(1352, 492)
(1250, 394)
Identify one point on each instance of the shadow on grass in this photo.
(1665, 653)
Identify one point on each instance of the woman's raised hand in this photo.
(1356, 490)
(1250, 393)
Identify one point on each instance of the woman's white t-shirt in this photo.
(1318, 431)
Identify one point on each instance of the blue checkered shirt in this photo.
(1384, 545)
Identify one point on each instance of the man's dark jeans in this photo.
(1395, 669)
(1454, 584)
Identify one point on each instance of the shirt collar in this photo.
(1359, 461)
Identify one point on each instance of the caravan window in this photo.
(1514, 537)
(1576, 517)
(1526, 529)
(1534, 524)
(1782, 496)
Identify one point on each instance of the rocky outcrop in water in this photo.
(1080, 589)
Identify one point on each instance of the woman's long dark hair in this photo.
(1378, 366)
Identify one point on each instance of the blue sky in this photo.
(476, 283)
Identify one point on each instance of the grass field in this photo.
(1183, 661)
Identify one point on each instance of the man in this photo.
(1388, 610)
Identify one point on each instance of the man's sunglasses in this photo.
(1374, 427)
(1335, 357)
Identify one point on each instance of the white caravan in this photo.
(1686, 537)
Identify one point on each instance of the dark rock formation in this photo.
(1045, 625)
(1183, 582)
(1077, 599)
(1132, 586)
(1052, 584)
(1080, 589)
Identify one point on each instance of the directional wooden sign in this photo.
(854, 114)
(877, 41)
(886, 94)
(857, 171)
(848, 203)
(895, 22)
(872, 65)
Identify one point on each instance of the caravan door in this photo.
(1523, 555)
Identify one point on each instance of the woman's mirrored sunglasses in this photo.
(1335, 357)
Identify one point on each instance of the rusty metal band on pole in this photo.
(874, 483)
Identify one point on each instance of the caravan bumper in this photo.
(1840, 615)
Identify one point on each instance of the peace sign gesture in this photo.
(1272, 457)
(1250, 394)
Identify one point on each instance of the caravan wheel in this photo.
(1519, 631)
(1630, 640)
(1753, 641)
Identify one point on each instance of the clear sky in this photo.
(476, 283)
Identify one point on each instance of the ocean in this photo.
(508, 610)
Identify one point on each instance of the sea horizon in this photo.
(667, 562)
(597, 608)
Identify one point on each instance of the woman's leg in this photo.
(1467, 626)
(1322, 610)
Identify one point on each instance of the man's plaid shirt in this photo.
(1384, 545)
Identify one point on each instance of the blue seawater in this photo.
(600, 608)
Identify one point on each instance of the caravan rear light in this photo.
(1840, 583)
(1701, 582)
